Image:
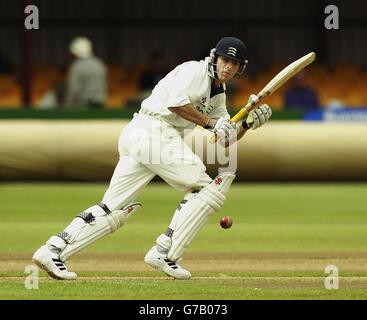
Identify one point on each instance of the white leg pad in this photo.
(165, 241)
(92, 225)
(188, 196)
(195, 213)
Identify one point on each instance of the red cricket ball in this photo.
(226, 222)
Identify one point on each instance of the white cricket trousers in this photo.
(149, 147)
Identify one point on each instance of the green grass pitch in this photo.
(282, 239)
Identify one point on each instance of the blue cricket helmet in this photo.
(232, 48)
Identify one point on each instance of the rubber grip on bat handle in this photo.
(240, 115)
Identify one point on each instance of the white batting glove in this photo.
(224, 128)
(257, 117)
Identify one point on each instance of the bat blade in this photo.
(287, 73)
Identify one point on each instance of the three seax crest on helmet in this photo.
(232, 51)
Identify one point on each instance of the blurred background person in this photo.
(151, 75)
(301, 96)
(87, 77)
(155, 71)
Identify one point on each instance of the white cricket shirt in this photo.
(187, 83)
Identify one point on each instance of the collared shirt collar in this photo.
(217, 90)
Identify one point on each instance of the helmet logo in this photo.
(232, 51)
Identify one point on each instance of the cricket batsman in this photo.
(191, 94)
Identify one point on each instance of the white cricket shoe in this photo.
(51, 263)
(159, 261)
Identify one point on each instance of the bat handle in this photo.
(240, 115)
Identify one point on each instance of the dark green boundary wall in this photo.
(125, 113)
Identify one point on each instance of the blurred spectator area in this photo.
(345, 83)
(125, 32)
(122, 85)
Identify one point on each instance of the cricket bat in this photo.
(281, 78)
